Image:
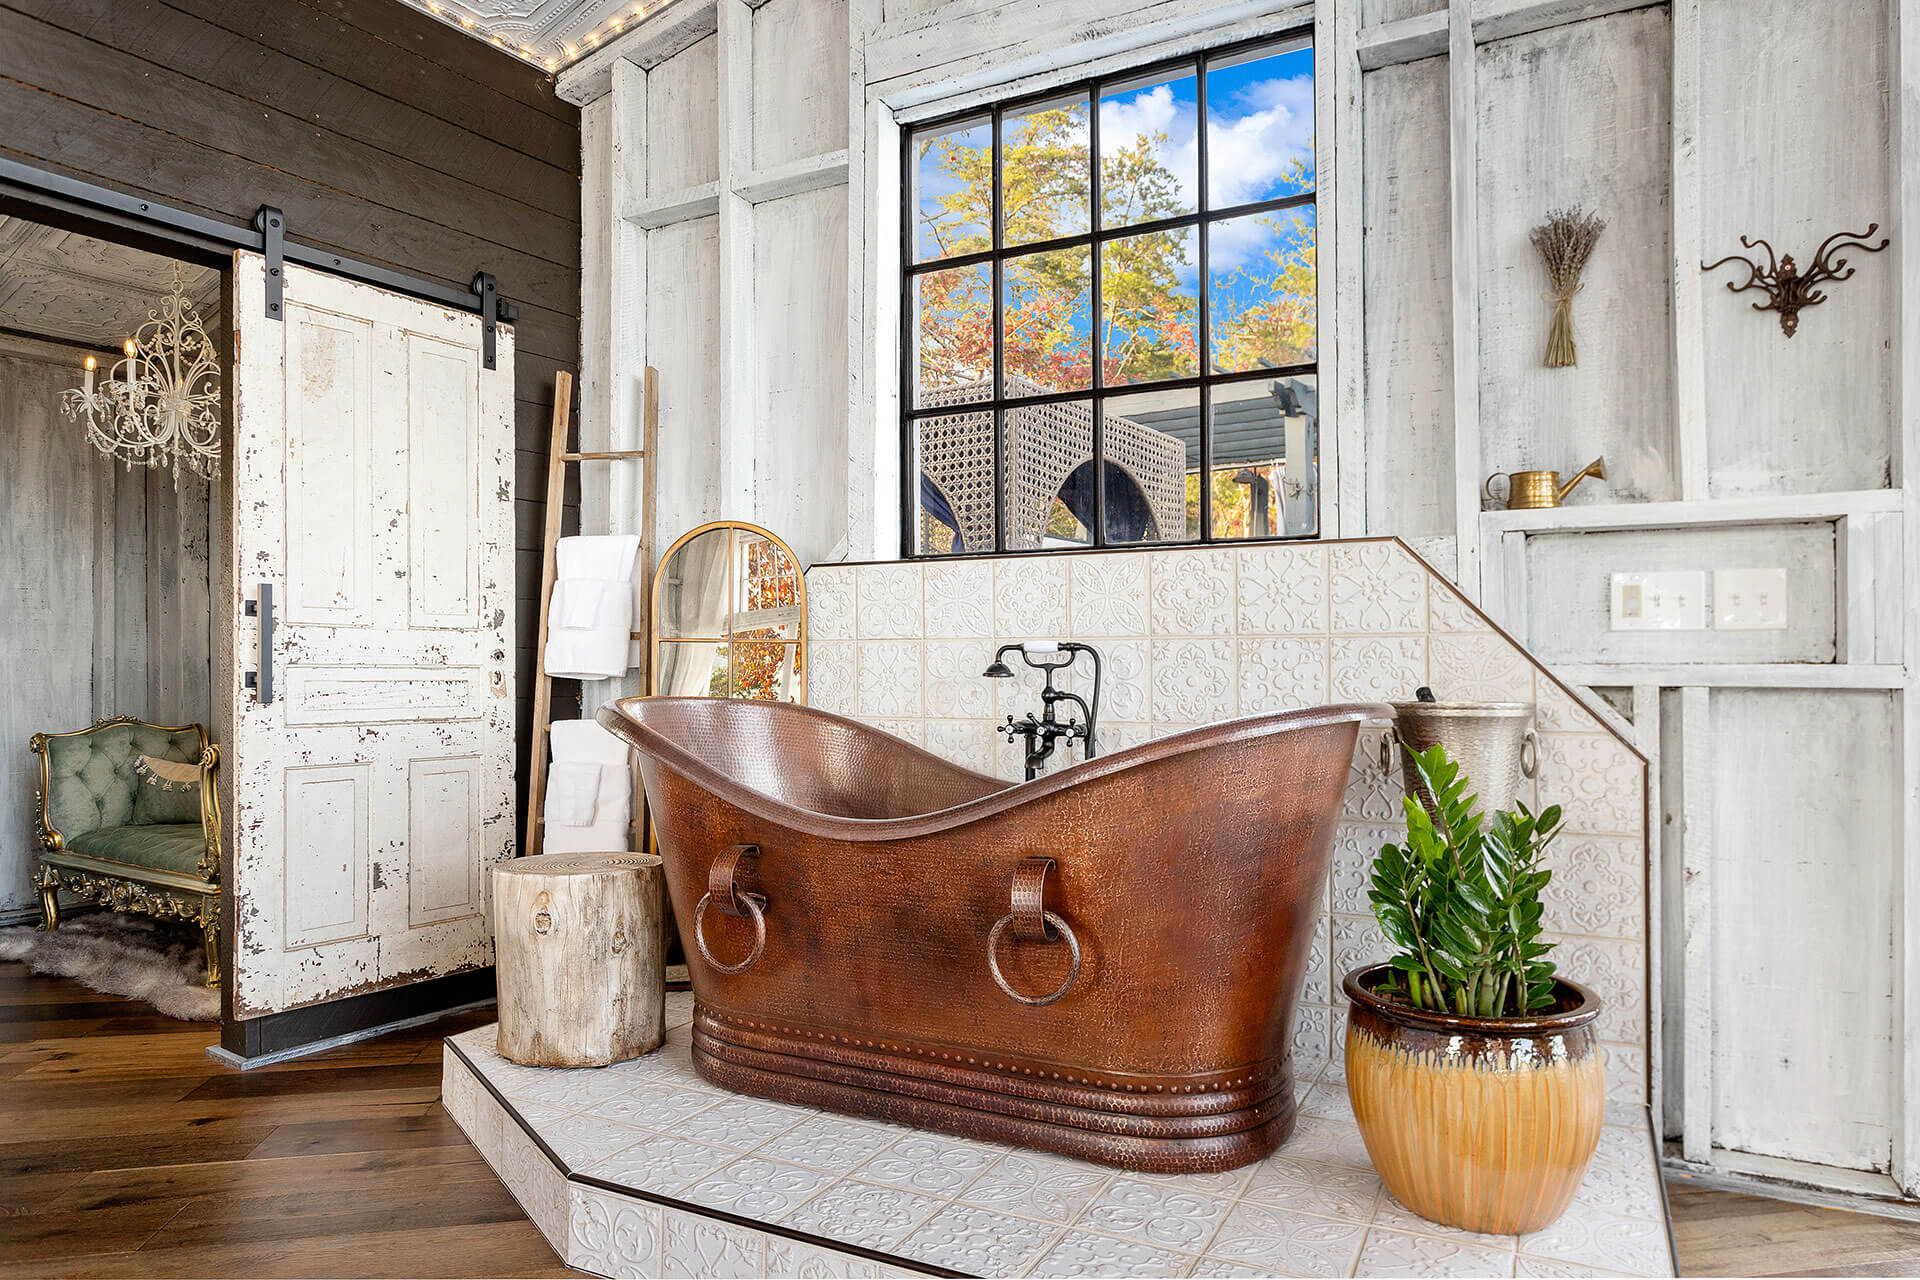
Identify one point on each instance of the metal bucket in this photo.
(1493, 742)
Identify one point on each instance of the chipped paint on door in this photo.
(373, 476)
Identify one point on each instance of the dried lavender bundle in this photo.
(1566, 240)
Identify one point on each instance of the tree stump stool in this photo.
(579, 952)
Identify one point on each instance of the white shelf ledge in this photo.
(1747, 675)
(1786, 508)
(1407, 40)
(684, 205)
(1424, 35)
(807, 174)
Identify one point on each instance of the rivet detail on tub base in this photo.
(1135, 1132)
(1254, 1078)
(1169, 1128)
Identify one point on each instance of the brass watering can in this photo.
(1527, 490)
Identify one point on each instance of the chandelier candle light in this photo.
(160, 405)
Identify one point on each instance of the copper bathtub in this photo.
(1102, 963)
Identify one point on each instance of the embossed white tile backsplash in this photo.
(1196, 635)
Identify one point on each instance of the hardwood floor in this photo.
(1720, 1233)
(125, 1151)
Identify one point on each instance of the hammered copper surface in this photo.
(1486, 1124)
(1191, 870)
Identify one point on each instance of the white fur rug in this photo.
(123, 955)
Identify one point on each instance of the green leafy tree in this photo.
(1267, 316)
(1265, 310)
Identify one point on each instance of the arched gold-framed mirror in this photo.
(730, 616)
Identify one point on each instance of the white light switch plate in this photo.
(1750, 599)
(1674, 600)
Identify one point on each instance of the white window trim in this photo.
(885, 108)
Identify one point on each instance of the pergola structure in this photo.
(1045, 445)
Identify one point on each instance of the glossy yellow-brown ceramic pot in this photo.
(1481, 1123)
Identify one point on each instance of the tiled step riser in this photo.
(917, 1201)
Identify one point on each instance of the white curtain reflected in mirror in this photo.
(693, 669)
(690, 593)
(730, 616)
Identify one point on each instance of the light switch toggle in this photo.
(1673, 600)
(1750, 599)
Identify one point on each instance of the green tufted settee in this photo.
(111, 833)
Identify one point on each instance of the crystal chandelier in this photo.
(160, 406)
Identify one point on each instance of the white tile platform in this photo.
(644, 1169)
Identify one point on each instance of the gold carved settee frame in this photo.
(123, 886)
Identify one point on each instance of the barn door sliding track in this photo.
(42, 195)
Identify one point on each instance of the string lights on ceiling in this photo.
(549, 55)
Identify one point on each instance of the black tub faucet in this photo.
(1043, 731)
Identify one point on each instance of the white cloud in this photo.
(1128, 121)
(1248, 149)
(1254, 138)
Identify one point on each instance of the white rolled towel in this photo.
(590, 621)
(589, 791)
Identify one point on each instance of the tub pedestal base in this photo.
(1197, 1124)
(645, 1169)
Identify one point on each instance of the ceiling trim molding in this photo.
(646, 45)
(549, 34)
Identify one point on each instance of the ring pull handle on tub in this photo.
(1032, 922)
(723, 892)
(1529, 755)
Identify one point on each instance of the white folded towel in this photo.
(573, 789)
(590, 621)
(589, 791)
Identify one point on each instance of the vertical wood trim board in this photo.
(1696, 807)
(1690, 370)
(1464, 203)
(737, 348)
(1904, 157)
(1340, 282)
(1646, 730)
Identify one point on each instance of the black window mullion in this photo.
(1179, 222)
(909, 349)
(1096, 343)
(1205, 291)
(1099, 472)
(996, 217)
(951, 263)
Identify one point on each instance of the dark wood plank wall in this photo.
(382, 133)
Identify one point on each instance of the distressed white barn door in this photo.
(373, 782)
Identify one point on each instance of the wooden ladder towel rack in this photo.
(558, 459)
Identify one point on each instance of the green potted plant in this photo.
(1474, 1069)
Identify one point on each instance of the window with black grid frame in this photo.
(1109, 312)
